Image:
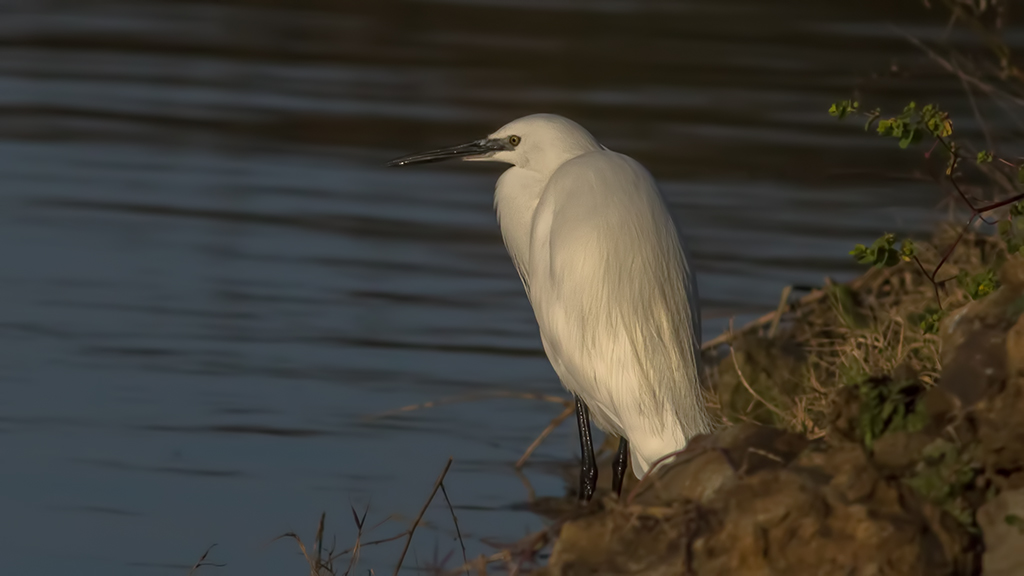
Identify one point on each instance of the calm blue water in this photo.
(209, 281)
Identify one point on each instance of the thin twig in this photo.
(408, 541)
(783, 300)
(456, 522)
(732, 353)
(544, 434)
(945, 64)
(319, 542)
(295, 536)
(974, 107)
(977, 212)
(371, 543)
(765, 453)
(531, 494)
(360, 522)
(202, 562)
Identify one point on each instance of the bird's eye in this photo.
(514, 140)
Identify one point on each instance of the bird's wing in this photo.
(523, 273)
(614, 296)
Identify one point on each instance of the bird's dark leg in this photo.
(619, 466)
(588, 472)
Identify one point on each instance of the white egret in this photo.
(608, 279)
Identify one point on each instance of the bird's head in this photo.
(539, 143)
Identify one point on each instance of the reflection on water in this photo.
(211, 280)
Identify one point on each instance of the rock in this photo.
(755, 500)
(941, 407)
(1012, 272)
(626, 540)
(974, 352)
(697, 479)
(898, 451)
(711, 462)
(1015, 349)
(1000, 434)
(1002, 523)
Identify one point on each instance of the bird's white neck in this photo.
(516, 195)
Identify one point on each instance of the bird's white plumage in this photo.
(608, 279)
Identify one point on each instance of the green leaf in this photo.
(931, 321)
(1011, 231)
(888, 406)
(1005, 229)
(887, 411)
(913, 124)
(862, 254)
(843, 109)
(881, 252)
(1015, 521)
(1009, 234)
(984, 157)
(937, 121)
(978, 285)
(910, 137)
(892, 127)
(907, 250)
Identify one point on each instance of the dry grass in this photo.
(839, 336)
(321, 561)
(203, 562)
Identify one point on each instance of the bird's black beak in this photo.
(478, 148)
